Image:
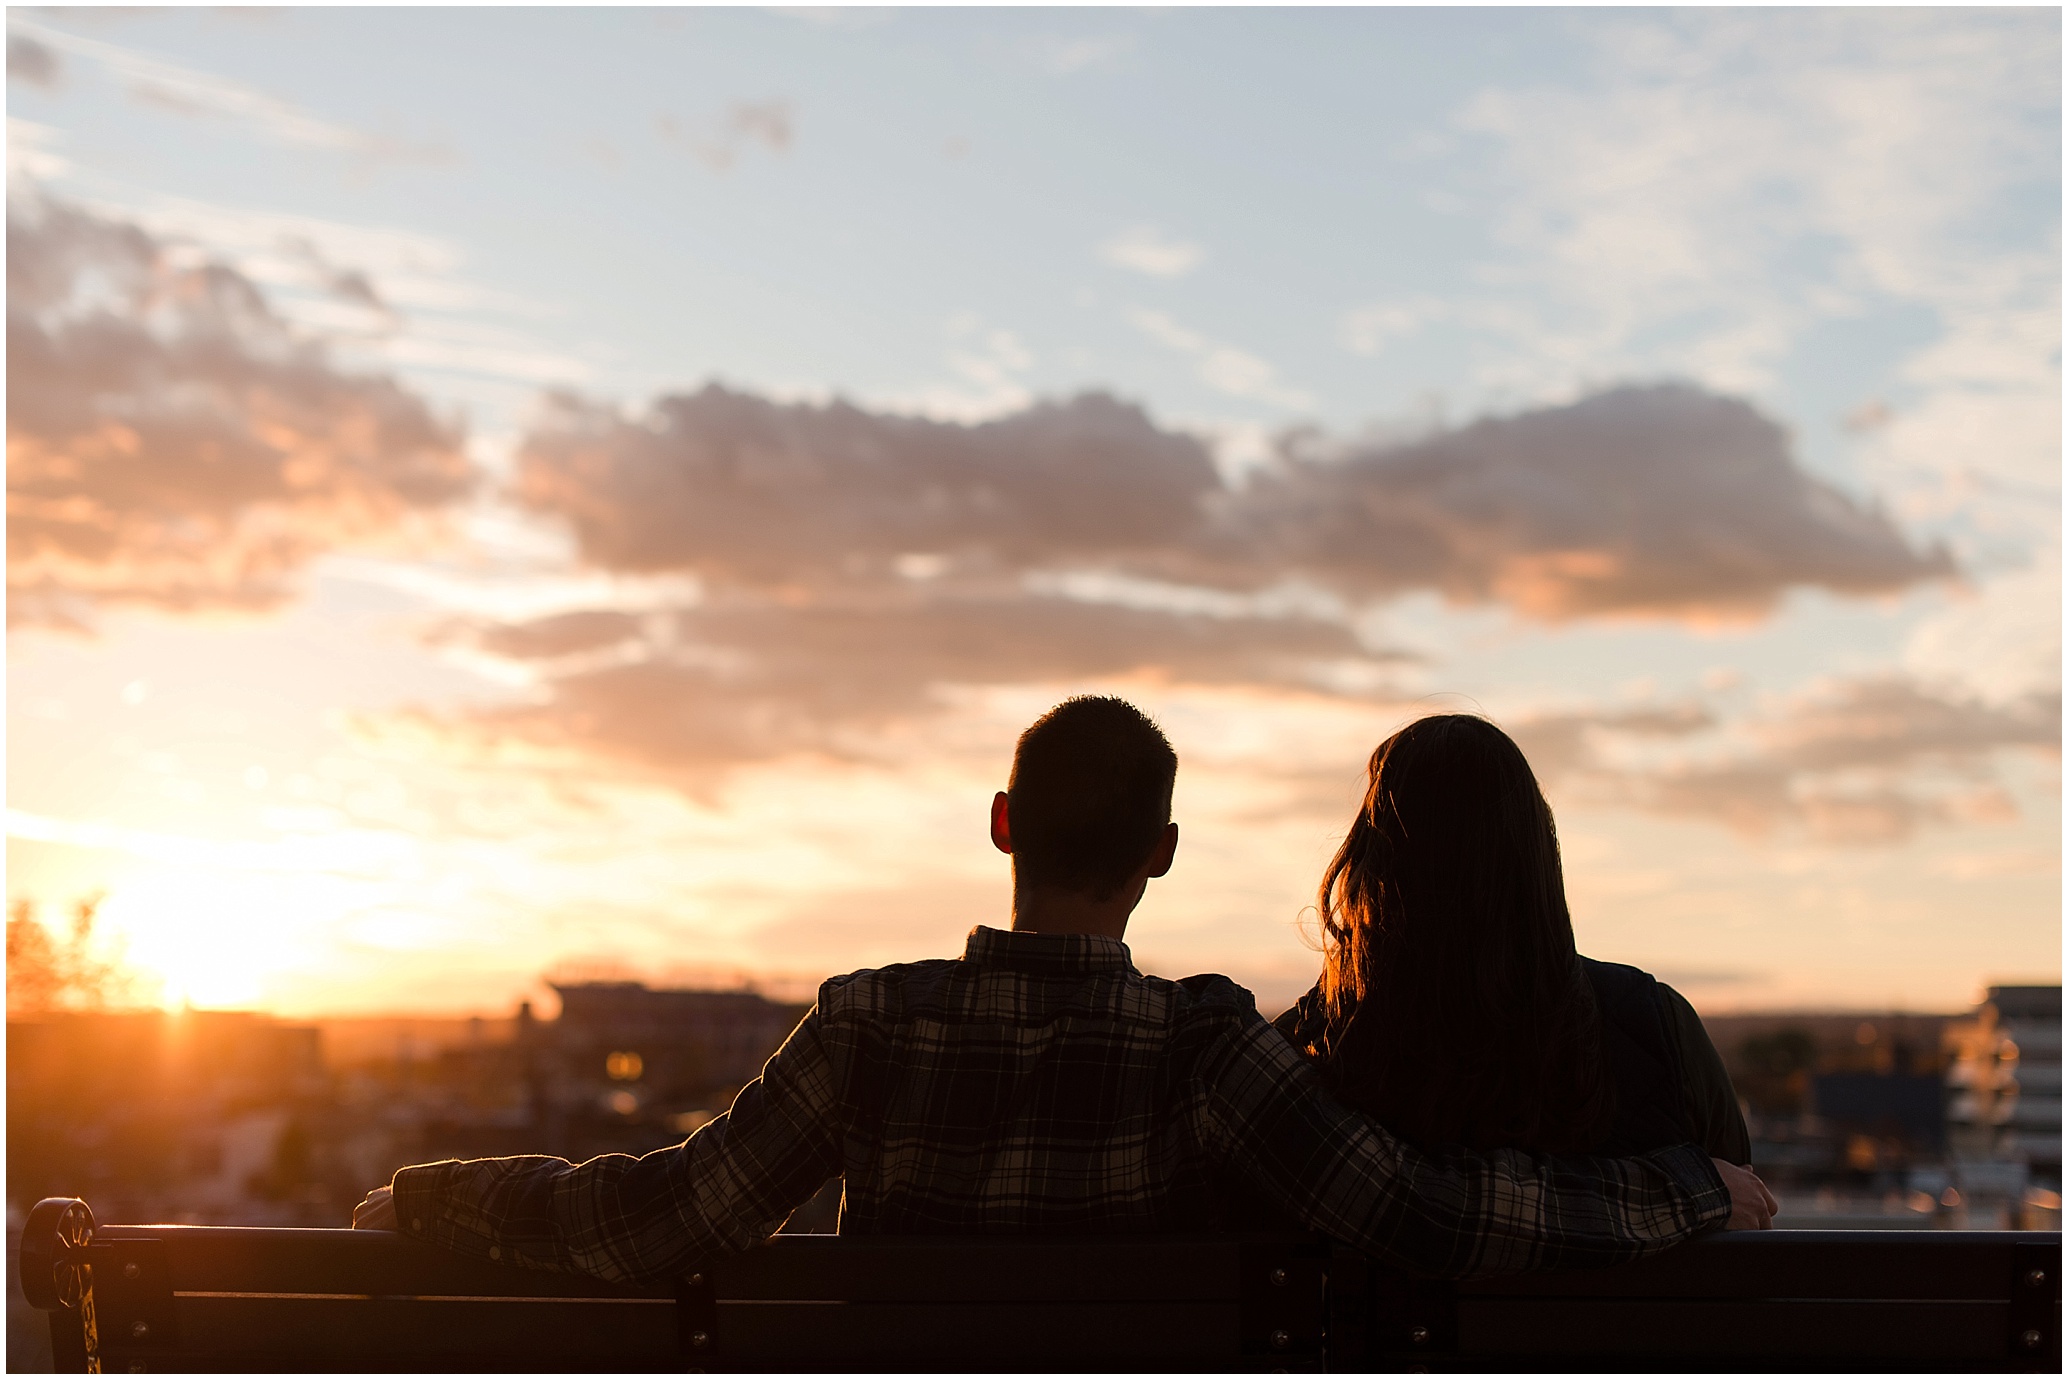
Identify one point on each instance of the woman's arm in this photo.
(1712, 1103)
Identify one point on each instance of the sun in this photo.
(210, 938)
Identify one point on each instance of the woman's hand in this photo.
(1752, 1205)
(377, 1213)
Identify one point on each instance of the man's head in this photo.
(1088, 805)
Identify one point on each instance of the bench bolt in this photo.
(2032, 1339)
(700, 1339)
(696, 1281)
(1419, 1336)
(139, 1328)
(1278, 1276)
(1281, 1339)
(131, 1270)
(2035, 1278)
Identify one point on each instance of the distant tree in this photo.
(292, 1167)
(46, 972)
(33, 961)
(1774, 1069)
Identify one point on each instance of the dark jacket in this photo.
(1671, 1086)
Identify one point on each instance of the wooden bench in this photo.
(260, 1298)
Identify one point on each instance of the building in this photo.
(2004, 1081)
(668, 1039)
(625, 1068)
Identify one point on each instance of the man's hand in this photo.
(377, 1213)
(1752, 1206)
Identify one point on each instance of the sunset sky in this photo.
(498, 492)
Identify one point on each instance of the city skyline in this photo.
(609, 488)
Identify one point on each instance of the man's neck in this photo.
(1048, 911)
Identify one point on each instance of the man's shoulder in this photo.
(877, 991)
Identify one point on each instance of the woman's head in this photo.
(1450, 977)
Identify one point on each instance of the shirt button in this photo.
(495, 1252)
(416, 1224)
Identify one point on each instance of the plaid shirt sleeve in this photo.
(644, 1219)
(1452, 1213)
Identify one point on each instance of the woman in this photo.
(1453, 1006)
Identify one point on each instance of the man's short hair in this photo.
(1089, 795)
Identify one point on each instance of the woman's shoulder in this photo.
(1653, 1031)
(1628, 991)
(1619, 977)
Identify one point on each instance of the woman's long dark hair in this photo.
(1456, 1009)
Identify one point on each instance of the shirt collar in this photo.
(1047, 953)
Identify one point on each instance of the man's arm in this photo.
(623, 1218)
(1451, 1213)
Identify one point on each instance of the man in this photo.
(1040, 1084)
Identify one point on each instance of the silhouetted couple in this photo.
(1444, 1099)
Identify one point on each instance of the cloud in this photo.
(171, 443)
(678, 695)
(2003, 640)
(312, 270)
(771, 124)
(1867, 760)
(837, 16)
(517, 597)
(988, 364)
(1145, 249)
(1224, 368)
(32, 154)
(32, 62)
(1892, 721)
(349, 285)
(1559, 745)
(1368, 329)
(772, 495)
(1065, 56)
(1659, 500)
(184, 91)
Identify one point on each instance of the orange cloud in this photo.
(1659, 501)
(735, 487)
(171, 444)
(1861, 761)
(686, 693)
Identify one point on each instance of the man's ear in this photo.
(1166, 850)
(1001, 824)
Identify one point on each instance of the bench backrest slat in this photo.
(1724, 1330)
(274, 1299)
(887, 1269)
(1814, 1264)
(327, 1261)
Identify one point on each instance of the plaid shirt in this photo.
(1041, 1084)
